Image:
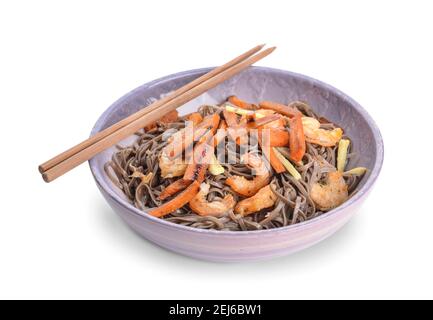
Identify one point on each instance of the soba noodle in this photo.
(293, 204)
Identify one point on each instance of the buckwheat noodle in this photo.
(293, 204)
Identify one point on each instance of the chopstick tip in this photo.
(45, 177)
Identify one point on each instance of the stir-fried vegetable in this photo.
(174, 188)
(277, 137)
(231, 118)
(286, 163)
(215, 167)
(359, 171)
(221, 133)
(145, 178)
(185, 138)
(343, 145)
(170, 117)
(269, 153)
(240, 111)
(280, 108)
(195, 117)
(297, 138)
(240, 103)
(202, 156)
(178, 202)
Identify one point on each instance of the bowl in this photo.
(253, 84)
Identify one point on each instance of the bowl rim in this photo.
(98, 172)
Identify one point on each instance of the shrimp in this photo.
(171, 167)
(247, 187)
(216, 208)
(313, 133)
(265, 198)
(331, 194)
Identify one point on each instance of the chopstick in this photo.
(106, 132)
(82, 152)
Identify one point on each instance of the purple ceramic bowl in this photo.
(254, 84)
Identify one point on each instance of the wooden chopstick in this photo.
(149, 117)
(106, 132)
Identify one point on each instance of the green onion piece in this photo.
(286, 163)
(343, 145)
(359, 171)
(215, 168)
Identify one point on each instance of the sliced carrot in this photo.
(178, 202)
(207, 128)
(278, 137)
(237, 130)
(174, 188)
(272, 120)
(280, 108)
(263, 112)
(170, 117)
(231, 118)
(297, 138)
(202, 156)
(240, 103)
(195, 117)
(271, 156)
(200, 133)
(221, 133)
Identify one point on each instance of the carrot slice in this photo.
(195, 117)
(240, 103)
(202, 155)
(271, 156)
(297, 138)
(170, 117)
(277, 137)
(237, 130)
(177, 202)
(231, 118)
(174, 188)
(280, 108)
(221, 133)
(209, 123)
(269, 120)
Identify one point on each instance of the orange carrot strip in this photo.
(259, 122)
(297, 138)
(195, 117)
(202, 155)
(231, 118)
(280, 108)
(221, 133)
(170, 117)
(209, 123)
(278, 137)
(236, 130)
(174, 188)
(272, 157)
(177, 202)
(240, 103)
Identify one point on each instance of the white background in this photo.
(63, 63)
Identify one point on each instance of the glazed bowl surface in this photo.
(253, 84)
